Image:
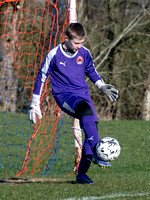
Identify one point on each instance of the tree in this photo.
(10, 23)
(117, 34)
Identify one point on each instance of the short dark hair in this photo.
(75, 30)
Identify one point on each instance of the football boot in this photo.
(84, 179)
(101, 163)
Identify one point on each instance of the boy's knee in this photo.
(83, 109)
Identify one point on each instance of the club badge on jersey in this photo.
(79, 60)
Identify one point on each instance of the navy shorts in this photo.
(68, 102)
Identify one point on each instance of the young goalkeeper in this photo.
(67, 64)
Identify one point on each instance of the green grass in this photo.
(128, 178)
(16, 131)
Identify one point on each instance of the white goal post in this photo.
(76, 125)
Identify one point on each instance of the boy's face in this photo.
(74, 44)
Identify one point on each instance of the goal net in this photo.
(28, 30)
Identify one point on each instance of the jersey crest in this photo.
(79, 60)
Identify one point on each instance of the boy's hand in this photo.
(109, 91)
(33, 112)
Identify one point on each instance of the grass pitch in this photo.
(128, 178)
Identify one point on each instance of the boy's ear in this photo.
(66, 38)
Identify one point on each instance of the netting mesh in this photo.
(28, 30)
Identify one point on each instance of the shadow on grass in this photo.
(36, 180)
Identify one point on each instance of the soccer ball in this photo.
(108, 149)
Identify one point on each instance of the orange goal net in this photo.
(28, 30)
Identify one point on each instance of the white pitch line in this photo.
(111, 196)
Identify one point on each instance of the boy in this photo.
(67, 64)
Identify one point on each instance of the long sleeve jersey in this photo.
(67, 72)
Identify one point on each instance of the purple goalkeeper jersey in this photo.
(67, 72)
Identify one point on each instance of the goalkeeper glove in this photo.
(108, 90)
(35, 110)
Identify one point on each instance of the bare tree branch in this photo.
(130, 26)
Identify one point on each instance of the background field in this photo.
(129, 177)
(118, 39)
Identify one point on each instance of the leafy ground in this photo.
(128, 178)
